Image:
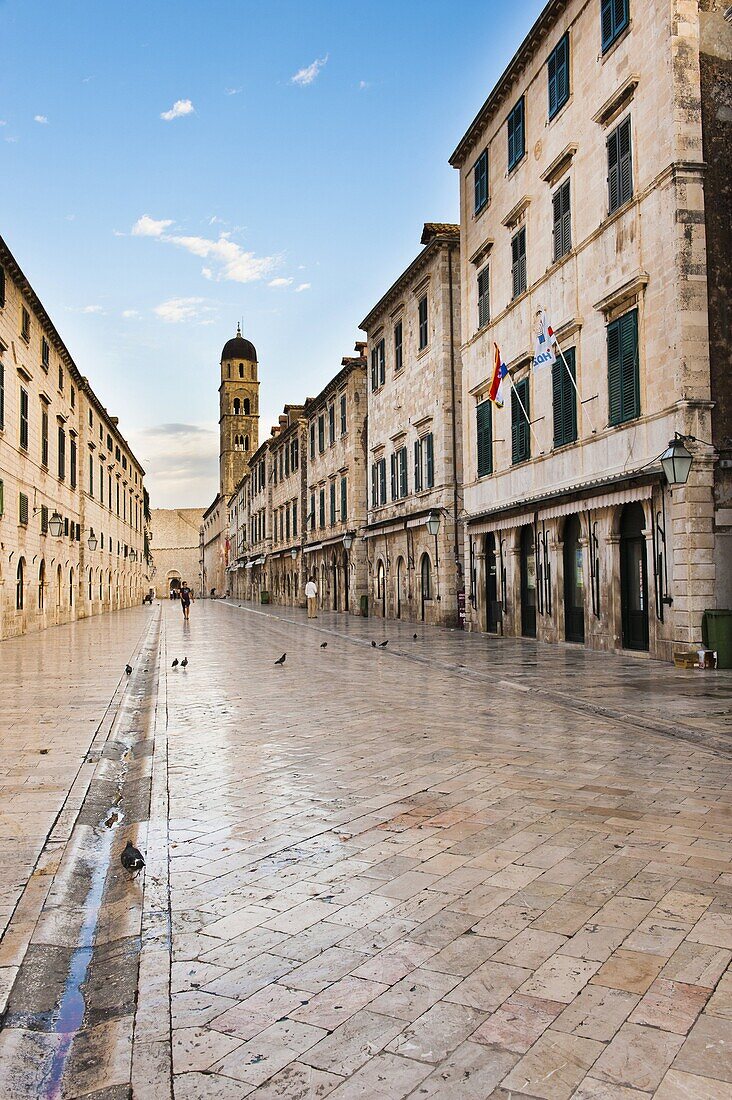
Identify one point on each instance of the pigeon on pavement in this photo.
(128, 669)
(131, 858)
(373, 645)
(184, 663)
(383, 645)
(281, 660)
(175, 663)
(415, 637)
(323, 645)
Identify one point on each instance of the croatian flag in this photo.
(500, 370)
(544, 353)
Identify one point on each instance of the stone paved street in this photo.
(449, 868)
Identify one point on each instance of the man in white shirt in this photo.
(311, 595)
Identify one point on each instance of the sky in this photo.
(169, 169)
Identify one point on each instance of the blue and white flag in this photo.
(544, 353)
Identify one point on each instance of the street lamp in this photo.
(92, 540)
(293, 553)
(56, 525)
(433, 523)
(676, 461)
(133, 554)
(347, 541)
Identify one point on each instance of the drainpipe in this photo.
(458, 563)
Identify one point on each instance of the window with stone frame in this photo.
(484, 304)
(558, 75)
(614, 18)
(398, 346)
(423, 327)
(518, 262)
(562, 221)
(516, 135)
(619, 166)
(480, 182)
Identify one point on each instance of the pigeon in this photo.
(323, 645)
(415, 637)
(281, 660)
(373, 645)
(128, 669)
(184, 663)
(131, 858)
(383, 645)
(175, 663)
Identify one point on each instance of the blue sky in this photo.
(305, 145)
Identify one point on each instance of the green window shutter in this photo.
(44, 519)
(562, 229)
(484, 311)
(332, 503)
(417, 466)
(403, 487)
(564, 400)
(374, 485)
(382, 362)
(430, 444)
(630, 402)
(393, 477)
(613, 373)
(613, 172)
(23, 509)
(2, 395)
(484, 414)
(520, 448)
(382, 481)
(344, 500)
(625, 163)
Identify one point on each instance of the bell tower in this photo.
(238, 411)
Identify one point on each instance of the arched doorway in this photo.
(528, 583)
(42, 586)
(20, 585)
(71, 588)
(574, 587)
(633, 577)
(174, 580)
(425, 573)
(381, 587)
(336, 586)
(401, 595)
(59, 589)
(492, 603)
(346, 586)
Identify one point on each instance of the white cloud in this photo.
(176, 310)
(301, 287)
(280, 282)
(363, 85)
(180, 108)
(306, 76)
(181, 464)
(232, 91)
(41, 118)
(3, 122)
(92, 309)
(130, 314)
(149, 227)
(11, 140)
(71, 217)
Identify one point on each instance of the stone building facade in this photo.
(213, 549)
(288, 464)
(575, 200)
(415, 437)
(335, 505)
(174, 544)
(73, 508)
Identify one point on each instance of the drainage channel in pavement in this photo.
(700, 739)
(67, 1028)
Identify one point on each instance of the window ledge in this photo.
(629, 292)
(560, 164)
(516, 214)
(617, 102)
(423, 351)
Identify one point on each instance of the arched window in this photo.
(237, 406)
(247, 406)
(42, 586)
(19, 586)
(228, 372)
(71, 587)
(246, 442)
(241, 370)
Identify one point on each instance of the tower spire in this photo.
(238, 329)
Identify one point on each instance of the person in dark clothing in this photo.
(186, 599)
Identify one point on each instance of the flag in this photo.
(544, 353)
(500, 370)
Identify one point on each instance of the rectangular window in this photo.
(295, 458)
(101, 482)
(331, 424)
(484, 305)
(516, 135)
(287, 523)
(520, 431)
(402, 471)
(294, 519)
(72, 397)
(61, 453)
(312, 439)
(398, 346)
(321, 433)
(44, 519)
(45, 353)
(332, 503)
(381, 349)
(344, 423)
(518, 262)
(2, 396)
(322, 507)
(393, 463)
(484, 416)
(619, 166)
(61, 386)
(622, 368)
(382, 481)
(374, 484)
(344, 500)
(374, 369)
(423, 322)
(429, 444)
(44, 436)
(480, 182)
(562, 221)
(558, 75)
(24, 418)
(564, 400)
(25, 323)
(72, 463)
(614, 18)
(91, 477)
(418, 465)
(23, 509)
(312, 511)
(287, 461)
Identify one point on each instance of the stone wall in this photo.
(175, 549)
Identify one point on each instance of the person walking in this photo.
(311, 595)
(186, 599)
